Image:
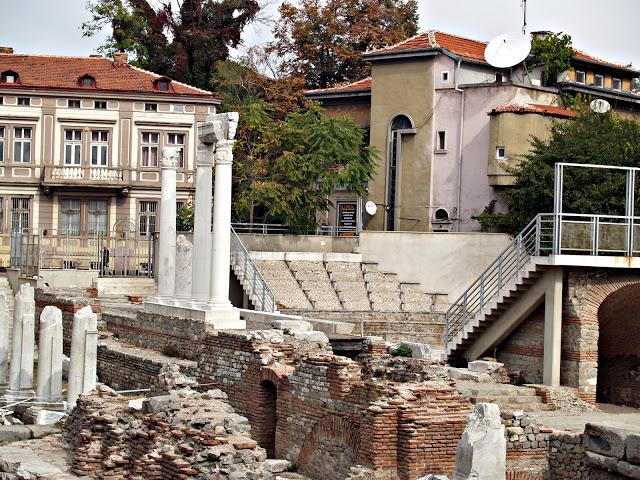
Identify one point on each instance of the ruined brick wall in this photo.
(523, 350)
(169, 334)
(567, 458)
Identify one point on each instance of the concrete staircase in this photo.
(512, 293)
(505, 396)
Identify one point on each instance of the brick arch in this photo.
(581, 325)
(330, 432)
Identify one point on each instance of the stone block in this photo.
(601, 461)
(313, 336)
(465, 374)
(292, 325)
(628, 470)
(277, 466)
(14, 433)
(484, 366)
(25, 463)
(424, 351)
(605, 440)
(41, 431)
(633, 448)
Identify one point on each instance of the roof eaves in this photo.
(346, 93)
(605, 92)
(416, 52)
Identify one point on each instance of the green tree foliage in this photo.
(554, 52)
(322, 40)
(182, 42)
(185, 218)
(287, 169)
(590, 138)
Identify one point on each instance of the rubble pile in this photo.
(566, 400)
(184, 434)
(403, 369)
(171, 378)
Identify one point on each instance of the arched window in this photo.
(87, 81)
(9, 76)
(400, 125)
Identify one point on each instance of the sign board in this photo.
(347, 219)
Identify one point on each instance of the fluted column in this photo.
(201, 265)
(166, 269)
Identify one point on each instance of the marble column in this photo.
(4, 343)
(49, 389)
(22, 346)
(223, 312)
(166, 269)
(201, 270)
(83, 355)
(184, 259)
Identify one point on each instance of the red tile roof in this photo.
(590, 58)
(460, 46)
(364, 84)
(551, 110)
(40, 71)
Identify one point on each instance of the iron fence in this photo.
(117, 254)
(281, 229)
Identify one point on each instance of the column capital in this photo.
(224, 152)
(169, 158)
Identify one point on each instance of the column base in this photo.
(221, 319)
(13, 396)
(49, 414)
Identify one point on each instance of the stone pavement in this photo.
(610, 415)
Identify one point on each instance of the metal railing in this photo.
(262, 296)
(547, 234)
(281, 229)
(68, 173)
(113, 254)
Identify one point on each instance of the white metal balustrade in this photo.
(250, 277)
(546, 235)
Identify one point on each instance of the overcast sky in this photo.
(607, 29)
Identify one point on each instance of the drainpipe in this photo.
(459, 199)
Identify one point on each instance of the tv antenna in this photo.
(523, 4)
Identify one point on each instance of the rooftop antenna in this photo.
(523, 4)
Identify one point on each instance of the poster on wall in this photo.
(347, 219)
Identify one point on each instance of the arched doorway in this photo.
(265, 426)
(400, 125)
(619, 348)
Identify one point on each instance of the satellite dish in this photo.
(507, 50)
(600, 106)
(370, 207)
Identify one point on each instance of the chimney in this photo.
(6, 50)
(541, 34)
(120, 59)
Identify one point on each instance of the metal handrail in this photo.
(543, 236)
(264, 298)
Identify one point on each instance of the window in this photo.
(177, 108)
(441, 215)
(1, 144)
(72, 147)
(441, 140)
(400, 125)
(100, 105)
(149, 154)
(19, 214)
(177, 140)
(147, 217)
(24, 101)
(500, 153)
(616, 84)
(581, 77)
(179, 205)
(444, 76)
(97, 217)
(70, 216)
(1, 214)
(9, 77)
(599, 81)
(162, 84)
(99, 148)
(150, 107)
(22, 145)
(73, 103)
(499, 78)
(1, 100)
(87, 81)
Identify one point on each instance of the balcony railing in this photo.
(68, 174)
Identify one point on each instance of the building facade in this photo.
(447, 125)
(80, 148)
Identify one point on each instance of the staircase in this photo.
(254, 285)
(501, 285)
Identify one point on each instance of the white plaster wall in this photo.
(445, 263)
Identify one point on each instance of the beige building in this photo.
(80, 147)
(447, 125)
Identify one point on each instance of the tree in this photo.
(590, 138)
(185, 217)
(554, 52)
(287, 169)
(322, 40)
(184, 42)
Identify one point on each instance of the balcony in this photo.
(117, 178)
